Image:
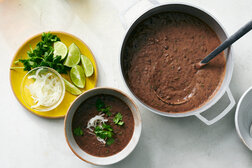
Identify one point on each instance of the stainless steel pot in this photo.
(216, 26)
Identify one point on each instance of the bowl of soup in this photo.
(103, 126)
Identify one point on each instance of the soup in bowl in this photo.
(103, 126)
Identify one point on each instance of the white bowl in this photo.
(243, 118)
(110, 159)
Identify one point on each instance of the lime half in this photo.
(71, 88)
(77, 76)
(87, 66)
(60, 49)
(73, 57)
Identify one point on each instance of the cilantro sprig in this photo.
(118, 119)
(78, 131)
(105, 132)
(101, 107)
(42, 55)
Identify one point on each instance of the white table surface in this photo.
(28, 141)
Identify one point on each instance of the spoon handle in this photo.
(242, 31)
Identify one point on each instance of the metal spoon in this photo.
(241, 32)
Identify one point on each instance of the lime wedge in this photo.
(71, 88)
(73, 57)
(77, 76)
(87, 66)
(60, 49)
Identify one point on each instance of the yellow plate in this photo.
(16, 76)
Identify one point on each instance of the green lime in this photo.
(60, 49)
(77, 76)
(71, 88)
(73, 57)
(87, 66)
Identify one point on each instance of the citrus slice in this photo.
(71, 88)
(77, 76)
(87, 66)
(73, 57)
(60, 49)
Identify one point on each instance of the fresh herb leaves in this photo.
(107, 111)
(42, 55)
(105, 132)
(110, 141)
(99, 104)
(101, 107)
(118, 119)
(78, 131)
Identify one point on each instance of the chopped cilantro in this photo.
(110, 141)
(120, 123)
(105, 132)
(118, 119)
(78, 131)
(101, 107)
(99, 104)
(107, 111)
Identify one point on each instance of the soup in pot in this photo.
(159, 62)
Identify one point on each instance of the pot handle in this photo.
(124, 12)
(222, 114)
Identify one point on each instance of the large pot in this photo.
(216, 26)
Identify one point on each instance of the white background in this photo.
(28, 141)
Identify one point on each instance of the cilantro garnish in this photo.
(42, 55)
(105, 132)
(110, 141)
(101, 107)
(118, 119)
(99, 104)
(78, 131)
(107, 111)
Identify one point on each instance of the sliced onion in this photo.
(97, 120)
(46, 90)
